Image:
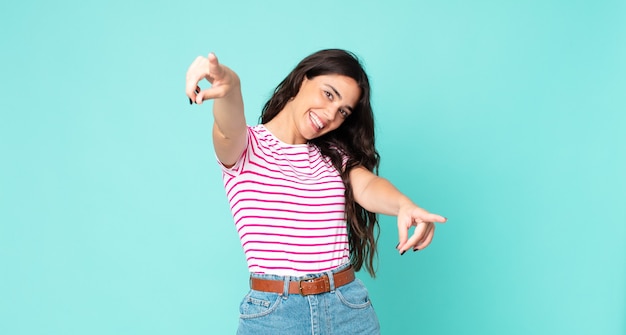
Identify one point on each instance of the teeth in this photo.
(317, 121)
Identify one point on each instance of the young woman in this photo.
(304, 193)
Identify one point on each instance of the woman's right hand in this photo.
(229, 122)
(223, 80)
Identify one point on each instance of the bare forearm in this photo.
(384, 198)
(229, 126)
(376, 194)
(228, 114)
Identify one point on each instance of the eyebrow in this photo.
(339, 95)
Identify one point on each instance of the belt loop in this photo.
(331, 280)
(286, 280)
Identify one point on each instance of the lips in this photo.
(316, 121)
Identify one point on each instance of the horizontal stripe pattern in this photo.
(288, 205)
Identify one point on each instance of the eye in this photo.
(344, 113)
(329, 95)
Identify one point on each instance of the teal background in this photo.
(508, 117)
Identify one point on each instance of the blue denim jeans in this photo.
(343, 310)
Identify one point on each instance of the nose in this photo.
(332, 112)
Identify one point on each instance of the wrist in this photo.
(405, 202)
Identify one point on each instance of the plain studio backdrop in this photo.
(507, 117)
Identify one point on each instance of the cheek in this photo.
(337, 123)
(317, 100)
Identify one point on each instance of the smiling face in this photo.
(322, 105)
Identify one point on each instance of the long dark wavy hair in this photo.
(354, 138)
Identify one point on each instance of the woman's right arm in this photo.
(229, 125)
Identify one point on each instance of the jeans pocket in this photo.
(354, 295)
(256, 304)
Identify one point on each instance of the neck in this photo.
(284, 128)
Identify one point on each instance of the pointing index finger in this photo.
(215, 70)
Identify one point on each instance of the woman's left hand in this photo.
(424, 222)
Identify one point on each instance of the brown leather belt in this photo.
(305, 286)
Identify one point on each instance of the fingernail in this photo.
(416, 249)
(190, 102)
(402, 253)
(397, 245)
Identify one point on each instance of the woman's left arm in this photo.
(378, 195)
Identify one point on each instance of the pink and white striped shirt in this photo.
(288, 204)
